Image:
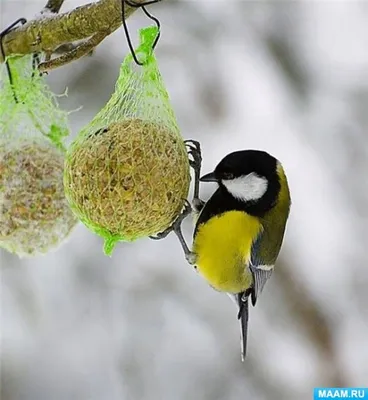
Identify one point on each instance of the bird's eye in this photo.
(227, 175)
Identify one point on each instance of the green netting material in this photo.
(127, 172)
(34, 214)
(37, 113)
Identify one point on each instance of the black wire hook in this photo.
(2, 35)
(125, 26)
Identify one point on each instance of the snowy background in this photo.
(287, 77)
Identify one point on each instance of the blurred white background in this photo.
(289, 77)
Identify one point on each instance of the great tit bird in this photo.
(239, 231)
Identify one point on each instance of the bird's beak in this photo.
(208, 177)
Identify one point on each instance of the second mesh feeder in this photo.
(127, 173)
(35, 217)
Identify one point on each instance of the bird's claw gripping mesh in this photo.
(187, 210)
(34, 214)
(127, 172)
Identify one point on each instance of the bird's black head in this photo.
(249, 176)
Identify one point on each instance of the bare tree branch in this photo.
(95, 20)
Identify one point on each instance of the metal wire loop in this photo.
(139, 5)
(2, 35)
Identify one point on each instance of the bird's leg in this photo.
(176, 228)
(189, 256)
(185, 212)
(194, 150)
(195, 161)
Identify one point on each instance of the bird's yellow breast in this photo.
(222, 246)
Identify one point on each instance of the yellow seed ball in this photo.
(128, 180)
(35, 216)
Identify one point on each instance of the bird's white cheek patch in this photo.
(248, 187)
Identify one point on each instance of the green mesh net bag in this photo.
(127, 172)
(34, 214)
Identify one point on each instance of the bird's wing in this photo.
(260, 277)
(261, 265)
(266, 247)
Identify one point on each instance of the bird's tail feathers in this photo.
(243, 318)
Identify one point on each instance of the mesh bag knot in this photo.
(34, 214)
(127, 172)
